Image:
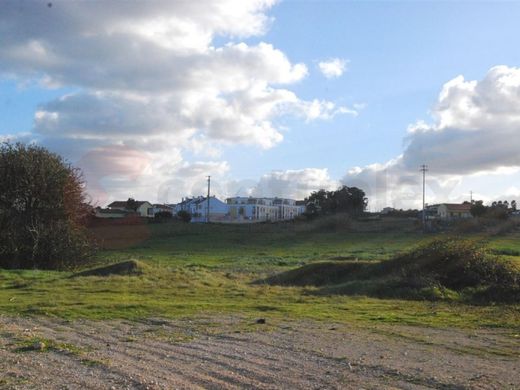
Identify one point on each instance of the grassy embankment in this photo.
(185, 270)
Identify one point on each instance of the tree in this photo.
(513, 205)
(351, 200)
(42, 210)
(131, 204)
(163, 216)
(478, 209)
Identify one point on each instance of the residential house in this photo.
(157, 208)
(142, 208)
(218, 210)
(198, 208)
(187, 204)
(454, 210)
(387, 210)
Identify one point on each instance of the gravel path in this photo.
(233, 352)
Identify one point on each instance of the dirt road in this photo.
(233, 352)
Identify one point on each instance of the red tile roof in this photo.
(465, 207)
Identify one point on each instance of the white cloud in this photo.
(151, 67)
(474, 131)
(148, 78)
(333, 67)
(296, 184)
(319, 109)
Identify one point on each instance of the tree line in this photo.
(350, 200)
(498, 209)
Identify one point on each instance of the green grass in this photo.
(211, 269)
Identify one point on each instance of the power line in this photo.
(424, 169)
(207, 208)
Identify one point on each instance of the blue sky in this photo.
(398, 57)
(400, 54)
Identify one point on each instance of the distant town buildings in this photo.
(233, 210)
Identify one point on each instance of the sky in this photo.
(270, 98)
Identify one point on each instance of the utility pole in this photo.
(207, 209)
(424, 169)
(471, 197)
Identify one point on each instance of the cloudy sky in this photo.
(269, 98)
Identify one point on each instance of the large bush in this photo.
(42, 210)
(460, 265)
(449, 268)
(455, 263)
(163, 216)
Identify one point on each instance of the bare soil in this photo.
(235, 352)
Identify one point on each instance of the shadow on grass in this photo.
(128, 268)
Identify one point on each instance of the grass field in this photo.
(187, 270)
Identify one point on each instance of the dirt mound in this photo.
(463, 266)
(319, 274)
(442, 269)
(455, 264)
(129, 267)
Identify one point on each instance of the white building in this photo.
(454, 211)
(263, 209)
(158, 208)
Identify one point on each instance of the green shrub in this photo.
(163, 216)
(327, 223)
(454, 263)
(448, 269)
(184, 216)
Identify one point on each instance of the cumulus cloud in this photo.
(474, 130)
(296, 184)
(332, 68)
(147, 76)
